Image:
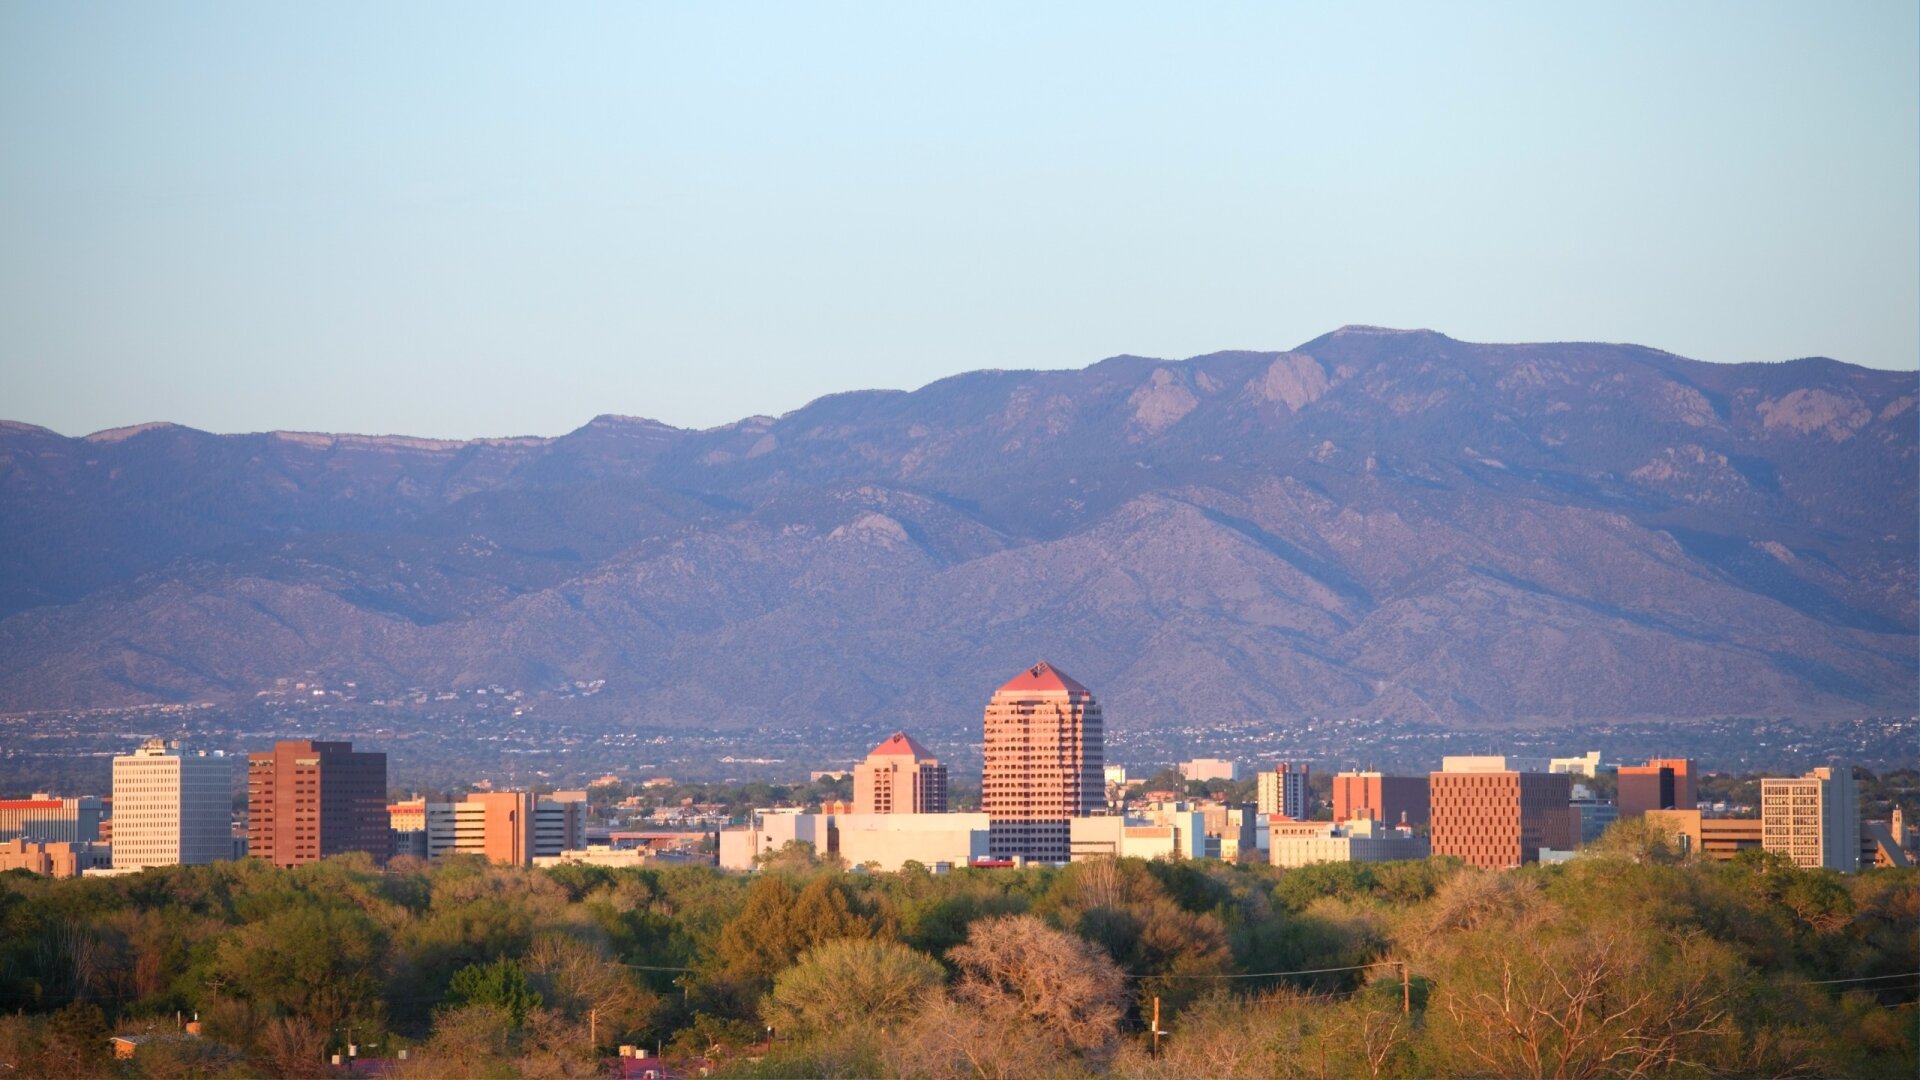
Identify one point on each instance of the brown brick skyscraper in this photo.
(1045, 764)
(309, 800)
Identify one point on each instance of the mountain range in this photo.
(1376, 523)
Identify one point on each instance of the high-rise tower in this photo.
(1045, 764)
(171, 807)
(900, 777)
(308, 800)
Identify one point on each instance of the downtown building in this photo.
(1660, 784)
(1377, 797)
(1496, 817)
(1283, 792)
(171, 807)
(308, 800)
(1813, 820)
(900, 777)
(1044, 764)
(507, 828)
(51, 819)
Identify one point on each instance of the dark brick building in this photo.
(309, 800)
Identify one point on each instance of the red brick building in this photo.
(1045, 764)
(1391, 799)
(1498, 820)
(308, 800)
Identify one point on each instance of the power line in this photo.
(1274, 974)
(1863, 978)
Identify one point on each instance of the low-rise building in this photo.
(51, 818)
(1119, 837)
(1303, 843)
(1204, 769)
(1592, 818)
(1693, 833)
(886, 842)
(54, 858)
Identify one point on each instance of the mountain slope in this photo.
(1376, 522)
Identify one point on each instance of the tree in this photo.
(856, 985)
(501, 984)
(1024, 976)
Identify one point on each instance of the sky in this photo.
(462, 220)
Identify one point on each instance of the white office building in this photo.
(171, 807)
(1813, 819)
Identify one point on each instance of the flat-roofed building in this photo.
(900, 777)
(1205, 769)
(1592, 818)
(1587, 764)
(768, 831)
(1693, 833)
(307, 800)
(172, 806)
(1500, 819)
(51, 818)
(53, 858)
(1118, 836)
(1389, 799)
(1303, 843)
(1813, 820)
(1044, 763)
(887, 842)
(1660, 784)
(1283, 792)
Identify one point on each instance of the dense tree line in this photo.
(1627, 962)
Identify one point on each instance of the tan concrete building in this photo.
(1500, 819)
(1283, 792)
(1303, 843)
(1695, 834)
(508, 828)
(172, 806)
(900, 777)
(1813, 819)
(53, 858)
(1044, 764)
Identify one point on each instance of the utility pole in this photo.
(1406, 991)
(1156, 1025)
(593, 1030)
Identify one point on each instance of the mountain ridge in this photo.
(1393, 522)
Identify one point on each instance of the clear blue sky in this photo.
(465, 219)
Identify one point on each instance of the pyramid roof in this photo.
(1045, 678)
(901, 744)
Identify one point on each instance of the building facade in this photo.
(50, 818)
(1498, 820)
(900, 777)
(307, 800)
(1044, 764)
(1660, 784)
(1303, 843)
(1283, 792)
(171, 807)
(1813, 820)
(53, 858)
(1696, 835)
(1389, 799)
(1206, 768)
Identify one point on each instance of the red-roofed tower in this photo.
(900, 777)
(1045, 763)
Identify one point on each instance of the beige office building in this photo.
(1813, 819)
(900, 777)
(171, 807)
(1045, 764)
